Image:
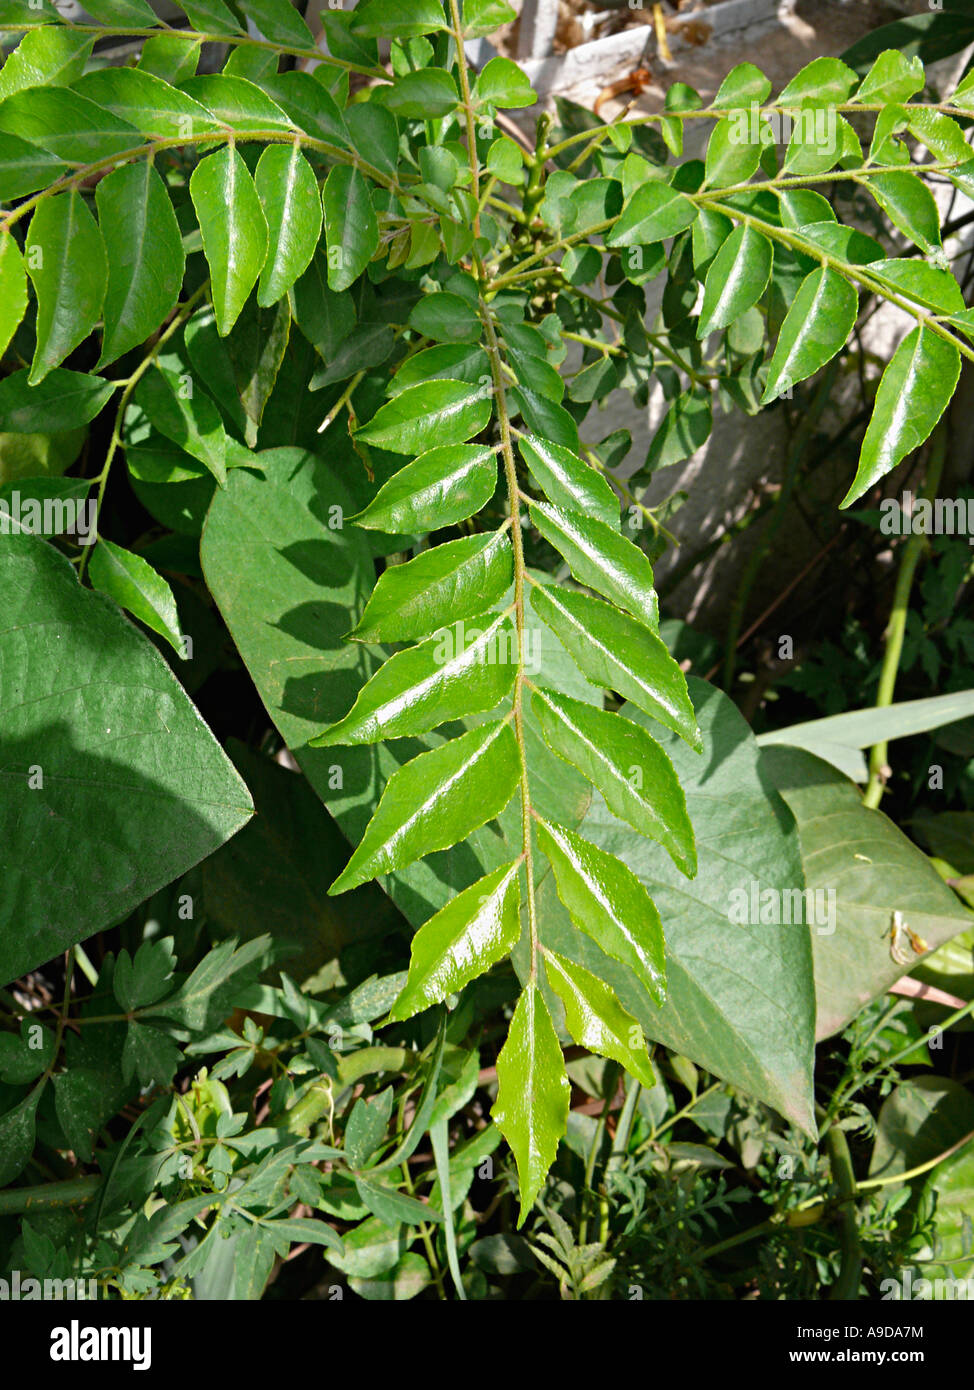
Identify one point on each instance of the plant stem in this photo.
(74, 1191)
(468, 112)
(896, 628)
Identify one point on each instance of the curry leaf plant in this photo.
(378, 240)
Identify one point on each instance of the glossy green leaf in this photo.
(606, 901)
(821, 80)
(127, 13)
(351, 229)
(48, 57)
(617, 653)
(185, 415)
(909, 205)
(279, 21)
(446, 318)
(425, 94)
(482, 17)
(925, 284)
(601, 558)
(410, 18)
(237, 103)
(463, 669)
(822, 315)
(392, 1206)
(62, 401)
(440, 487)
(531, 1109)
(892, 77)
(17, 1137)
(915, 390)
(145, 270)
(309, 104)
(288, 192)
(13, 289)
(256, 350)
(655, 211)
(734, 150)
(112, 714)
(135, 585)
(67, 264)
(595, 1018)
(435, 801)
(627, 766)
(504, 84)
(684, 429)
(474, 931)
(211, 17)
(233, 228)
(450, 581)
(736, 279)
(421, 417)
(744, 84)
(24, 168)
(67, 124)
(462, 362)
(568, 482)
(147, 103)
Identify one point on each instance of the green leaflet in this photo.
(24, 168)
(655, 211)
(441, 412)
(233, 229)
(13, 289)
(135, 585)
(684, 429)
(568, 482)
(67, 124)
(601, 558)
(145, 269)
(186, 416)
(618, 653)
(464, 362)
(52, 56)
(913, 394)
(627, 766)
(62, 401)
(238, 103)
(531, 1109)
(463, 940)
(441, 487)
(596, 1019)
(607, 901)
(464, 669)
(67, 263)
(428, 93)
(734, 150)
(450, 581)
(279, 21)
(737, 278)
(351, 229)
(446, 318)
(909, 205)
(821, 317)
(435, 801)
(288, 193)
(147, 103)
(409, 19)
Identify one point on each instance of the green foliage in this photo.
(349, 349)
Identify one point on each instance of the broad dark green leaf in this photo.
(256, 350)
(351, 228)
(602, 558)
(17, 1135)
(233, 229)
(684, 429)
(435, 801)
(618, 653)
(909, 205)
(450, 581)
(425, 94)
(446, 318)
(392, 1206)
(24, 168)
(607, 901)
(288, 192)
(421, 417)
(915, 390)
(821, 317)
(531, 1109)
(135, 585)
(595, 1018)
(627, 766)
(145, 269)
(474, 931)
(736, 279)
(68, 266)
(111, 714)
(62, 401)
(463, 669)
(568, 482)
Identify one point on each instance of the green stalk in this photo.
(896, 629)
